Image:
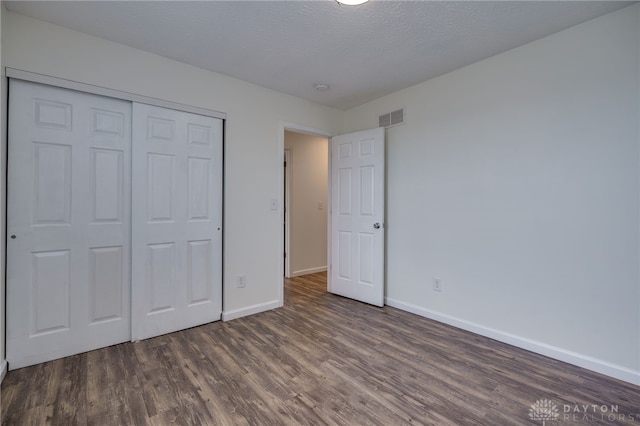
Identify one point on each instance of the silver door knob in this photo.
(376, 225)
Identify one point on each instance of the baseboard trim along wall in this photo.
(250, 310)
(308, 271)
(593, 364)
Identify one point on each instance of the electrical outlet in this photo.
(242, 281)
(437, 284)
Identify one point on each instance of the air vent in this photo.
(384, 120)
(392, 118)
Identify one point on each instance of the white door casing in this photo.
(357, 216)
(68, 223)
(288, 169)
(177, 221)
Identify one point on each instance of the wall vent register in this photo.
(393, 118)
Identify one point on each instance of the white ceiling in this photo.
(362, 52)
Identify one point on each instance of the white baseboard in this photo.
(580, 360)
(250, 310)
(3, 369)
(308, 271)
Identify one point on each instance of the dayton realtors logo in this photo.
(545, 410)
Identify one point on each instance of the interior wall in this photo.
(308, 166)
(515, 181)
(253, 160)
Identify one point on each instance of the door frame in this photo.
(298, 128)
(287, 212)
(110, 93)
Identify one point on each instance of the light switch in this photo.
(274, 204)
(320, 205)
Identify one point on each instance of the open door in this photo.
(357, 216)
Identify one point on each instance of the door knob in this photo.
(376, 225)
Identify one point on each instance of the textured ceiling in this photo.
(362, 52)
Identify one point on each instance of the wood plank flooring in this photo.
(321, 359)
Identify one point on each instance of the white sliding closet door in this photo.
(177, 209)
(68, 224)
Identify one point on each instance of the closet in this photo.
(114, 216)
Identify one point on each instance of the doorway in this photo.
(354, 211)
(306, 169)
(296, 128)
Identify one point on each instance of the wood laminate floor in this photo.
(321, 359)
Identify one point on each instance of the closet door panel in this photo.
(68, 221)
(177, 219)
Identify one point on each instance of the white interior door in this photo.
(68, 223)
(177, 209)
(357, 216)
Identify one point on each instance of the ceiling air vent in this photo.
(392, 118)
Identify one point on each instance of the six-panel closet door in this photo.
(114, 222)
(177, 220)
(68, 223)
